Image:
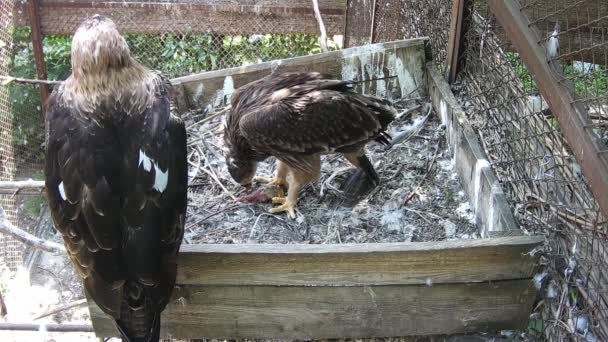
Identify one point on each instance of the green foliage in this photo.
(590, 82)
(33, 206)
(522, 73)
(587, 83)
(173, 54)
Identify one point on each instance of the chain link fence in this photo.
(178, 38)
(526, 146)
(534, 162)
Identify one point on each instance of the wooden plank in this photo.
(358, 264)
(455, 38)
(570, 116)
(309, 312)
(395, 67)
(492, 212)
(34, 20)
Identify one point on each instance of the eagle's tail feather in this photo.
(361, 182)
(139, 319)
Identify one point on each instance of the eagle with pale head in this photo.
(297, 117)
(116, 178)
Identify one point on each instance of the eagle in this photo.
(297, 117)
(116, 178)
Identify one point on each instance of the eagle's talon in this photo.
(271, 181)
(287, 206)
(279, 200)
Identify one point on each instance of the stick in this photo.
(210, 117)
(47, 327)
(426, 175)
(211, 173)
(8, 228)
(15, 186)
(6, 80)
(315, 5)
(62, 308)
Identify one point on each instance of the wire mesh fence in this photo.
(177, 38)
(544, 182)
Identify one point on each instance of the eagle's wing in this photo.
(117, 193)
(302, 121)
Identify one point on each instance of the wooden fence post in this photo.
(460, 8)
(358, 23)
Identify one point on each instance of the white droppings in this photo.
(479, 166)
(443, 110)
(62, 191)
(228, 88)
(464, 211)
(198, 92)
(552, 291)
(450, 229)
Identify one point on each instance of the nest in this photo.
(419, 197)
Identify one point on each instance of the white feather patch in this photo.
(145, 160)
(161, 179)
(62, 191)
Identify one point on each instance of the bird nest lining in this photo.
(419, 197)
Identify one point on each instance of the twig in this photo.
(209, 118)
(231, 207)
(213, 175)
(8, 228)
(315, 5)
(62, 308)
(16, 186)
(426, 175)
(6, 80)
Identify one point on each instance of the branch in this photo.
(315, 4)
(8, 228)
(6, 80)
(15, 186)
(3, 310)
(62, 308)
(47, 327)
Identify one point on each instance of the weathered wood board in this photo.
(362, 264)
(392, 69)
(361, 290)
(492, 213)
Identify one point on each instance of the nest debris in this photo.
(419, 197)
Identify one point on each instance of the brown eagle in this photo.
(297, 117)
(116, 178)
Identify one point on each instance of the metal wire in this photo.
(176, 37)
(533, 161)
